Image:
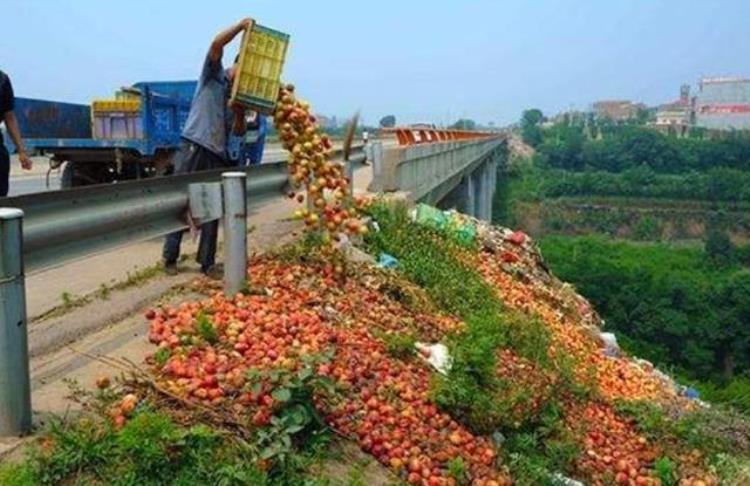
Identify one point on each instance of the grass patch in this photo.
(152, 448)
(70, 301)
(722, 434)
(399, 346)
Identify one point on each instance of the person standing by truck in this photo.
(7, 104)
(205, 141)
(253, 141)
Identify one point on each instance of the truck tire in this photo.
(84, 174)
(66, 179)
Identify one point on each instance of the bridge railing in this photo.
(414, 136)
(425, 172)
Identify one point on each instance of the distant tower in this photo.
(685, 93)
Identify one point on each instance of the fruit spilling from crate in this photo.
(330, 208)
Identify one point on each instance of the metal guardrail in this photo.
(46, 229)
(71, 223)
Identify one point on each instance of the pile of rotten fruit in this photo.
(222, 352)
(384, 402)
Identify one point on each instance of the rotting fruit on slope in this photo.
(305, 342)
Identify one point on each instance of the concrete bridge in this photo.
(436, 169)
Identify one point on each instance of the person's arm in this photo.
(7, 104)
(15, 135)
(216, 51)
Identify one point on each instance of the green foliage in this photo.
(457, 470)
(742, 254)
(535, 454)
(712, 430)
(464, 124)
(722, 434)
(667, 303)
(647, 228)
(666, 471)
(429, 261)
(206, 329)
(531, 131)
(149, 450)
(636, 161)
(295, 418)
(735, 392)
(718, 248)
(629, 146)
(80, 446)
(400, 345)
(472, 391)
(717, 184)
(388, 121)
(652, 422)
(563, 147)
(161, 356)
(732, 470)
(12, 474)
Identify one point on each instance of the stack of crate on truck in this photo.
(131, 136)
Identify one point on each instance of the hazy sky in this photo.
(420, 60)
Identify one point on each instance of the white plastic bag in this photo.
(611, 348)
(436, 355)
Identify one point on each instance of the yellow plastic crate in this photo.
(258, 78)
(128, 94)
(120, 105)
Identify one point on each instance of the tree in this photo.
(733, 335)
(563, 146)
(388, 121)
(464, 124)
(718, 247)
(531, 132)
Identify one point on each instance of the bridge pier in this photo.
(467, 198)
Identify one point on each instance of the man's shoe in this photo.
(171, 269)
(215, 272)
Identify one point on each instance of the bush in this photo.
(669, 305)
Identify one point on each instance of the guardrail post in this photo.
(235, 231)
(15, 388)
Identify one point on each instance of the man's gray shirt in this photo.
(207, 122)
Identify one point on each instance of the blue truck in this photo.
(133, 146)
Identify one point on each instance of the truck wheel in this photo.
(66, 179)
(77, 175)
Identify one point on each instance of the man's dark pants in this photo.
(4, 170)
(193, 158)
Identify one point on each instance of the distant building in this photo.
(617, 110)
(676, 117)
(723, 103)
(326, 122)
